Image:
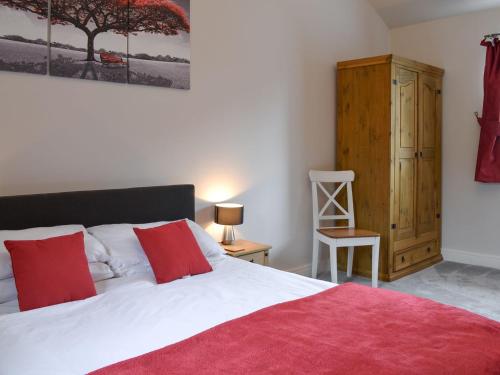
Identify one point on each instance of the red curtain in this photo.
(488, 156)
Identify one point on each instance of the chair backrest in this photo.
(344, 179)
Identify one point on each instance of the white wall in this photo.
(260, 114)
(471, 210)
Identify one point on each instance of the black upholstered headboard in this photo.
(90, 208)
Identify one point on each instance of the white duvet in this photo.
(133, 315)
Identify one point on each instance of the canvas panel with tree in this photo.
(159, 43)
(23, 36)
(89, 39)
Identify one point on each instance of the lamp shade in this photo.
(229, 214)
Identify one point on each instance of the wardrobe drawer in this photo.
(416, 255)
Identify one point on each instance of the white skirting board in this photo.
(450, 255)
(304, 270)
(475, 259)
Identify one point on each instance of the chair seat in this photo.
(347, 233)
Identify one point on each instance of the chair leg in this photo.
(375, 261)
(333, 263)
(350, 256)
(315, 259)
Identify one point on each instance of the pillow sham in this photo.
(126, 256)
(94, 250)
(172, 251)
(8, 290)
(50, 271)
(98, 271)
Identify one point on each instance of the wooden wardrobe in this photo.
(389, 134)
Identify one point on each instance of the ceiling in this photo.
(398, 13)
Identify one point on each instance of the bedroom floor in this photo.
(473, 288)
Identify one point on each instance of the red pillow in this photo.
(172, 251)
(52, 271)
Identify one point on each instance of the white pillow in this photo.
(208, 245)
(94, 250)
(126, 254)
(8, 290)
(99, 272)
(122, 245)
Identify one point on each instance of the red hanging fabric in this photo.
(488, 156)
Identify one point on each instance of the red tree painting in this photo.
(23, 37)
(159, 51)
(92, 18)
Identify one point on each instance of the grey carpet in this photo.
(472, 288)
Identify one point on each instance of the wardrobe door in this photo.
(406, 147)
(428, 166)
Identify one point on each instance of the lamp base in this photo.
(228, 235)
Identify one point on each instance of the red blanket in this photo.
(349, 329)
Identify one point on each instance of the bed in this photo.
(241, 318)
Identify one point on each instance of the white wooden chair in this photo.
(334, 236)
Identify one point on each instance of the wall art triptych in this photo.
(145, 42)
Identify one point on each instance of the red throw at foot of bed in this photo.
(349, 329)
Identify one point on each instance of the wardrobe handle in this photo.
(428, 249)
(421, 154)
(403, 259)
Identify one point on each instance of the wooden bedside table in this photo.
(250, 251)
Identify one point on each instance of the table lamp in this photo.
(228, 214)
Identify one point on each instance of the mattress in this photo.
(132, 316)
